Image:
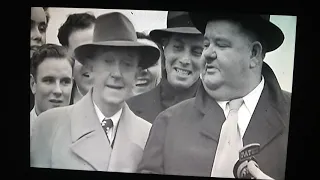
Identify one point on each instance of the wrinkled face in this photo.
(53, 84)
(226, 56)
(38, 28)
(182, 59)
(82, 75)
(115, 71)
(150, 77)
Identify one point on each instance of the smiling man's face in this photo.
(182, 59)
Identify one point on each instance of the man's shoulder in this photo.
(183, 107)
(54, 115)
(287, 95)
(144, 97)
(47, 122)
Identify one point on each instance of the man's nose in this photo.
(116, 71)
(144, 72)
(57, 89)
(35, 34)
(185, 60)
(209, 54)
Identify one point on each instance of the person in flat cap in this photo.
(182, 45)
(99, 132)
(239, 103)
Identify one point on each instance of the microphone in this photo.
(246, 154)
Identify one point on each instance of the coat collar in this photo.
(171, 96)
(267, 121)
(89, 140)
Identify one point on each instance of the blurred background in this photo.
(280, 60)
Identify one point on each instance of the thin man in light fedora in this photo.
(99, 132)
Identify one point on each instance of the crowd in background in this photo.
(183, 100)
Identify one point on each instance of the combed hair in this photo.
(48, 51)
(77, 21)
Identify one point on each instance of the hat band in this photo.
(180, 21)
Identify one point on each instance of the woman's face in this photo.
(150, 77)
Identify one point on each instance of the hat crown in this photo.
(113, 27)
(178, 19)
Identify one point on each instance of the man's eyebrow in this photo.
(66, 78)
(46, 77)
(222, 39)
(43, 23)
(179, 40)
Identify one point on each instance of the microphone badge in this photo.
(246, 154)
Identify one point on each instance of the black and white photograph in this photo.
(182, 93)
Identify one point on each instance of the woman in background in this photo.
(148, 78)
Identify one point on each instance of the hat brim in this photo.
(149, 54)
(270, 33)
(158, 34)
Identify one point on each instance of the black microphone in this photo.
(246, 154)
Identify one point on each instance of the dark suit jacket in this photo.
(184, 138)
(148, 105)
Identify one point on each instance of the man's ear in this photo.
(32, 84)
(256, 54)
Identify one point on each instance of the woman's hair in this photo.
(48, 51)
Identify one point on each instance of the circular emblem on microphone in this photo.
(246, 154)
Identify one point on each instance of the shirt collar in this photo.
(33, 112)
(81, 95)
(250, 100)
(115, 118)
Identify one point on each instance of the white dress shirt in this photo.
(247, 108)
(115, 120)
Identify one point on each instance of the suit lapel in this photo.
(267, 121)
(124, 149)
(213, 115)
(89, 141)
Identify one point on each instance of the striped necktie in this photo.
(107, 124)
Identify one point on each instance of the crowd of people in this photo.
(183, 100)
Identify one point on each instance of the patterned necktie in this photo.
(230, 142)
(107, 124)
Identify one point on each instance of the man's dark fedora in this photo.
(116, 30)
(259, 24)
(177, 22)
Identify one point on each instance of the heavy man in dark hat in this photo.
(99, 132)
(182, 46)
(239, 103)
